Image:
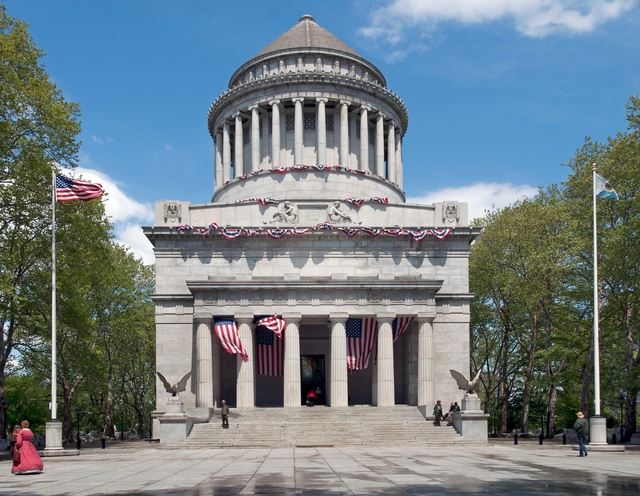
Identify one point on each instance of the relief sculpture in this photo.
(287, 214)
(338, 216)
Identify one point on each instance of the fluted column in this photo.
(339, 386)
(292, 386)
(238, 146)
(298, 146)
(219, 170)
(426, 386)
(322, 131)
(245, 388)
(364, 137)
(344, 133)
(255, 137)
(386, 390)
(391, 152)
(226, 152)
(380, 144)
(204, 361)
(398, 160)
(275, 133)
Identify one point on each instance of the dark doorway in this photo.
(312, 376)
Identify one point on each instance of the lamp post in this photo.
(621, 400)
(78, 441)
(4, 405)
(122, 430)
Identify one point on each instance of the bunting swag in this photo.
(357, 202)
(277, 233)
(304, 168)
(227, 333)
(361, 334)
(399, 325)
(261, 201)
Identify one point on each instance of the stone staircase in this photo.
(322, 427)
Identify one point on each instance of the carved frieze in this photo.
(172, 212)
(287, 213)
(450, 215)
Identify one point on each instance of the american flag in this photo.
(270, 352)
(227, 333)
(273, 323)
(361, 334)
(399, 325)
(71, 189)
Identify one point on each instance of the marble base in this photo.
(174, 424)
(471, 422)
(53, 436)
(597, 430)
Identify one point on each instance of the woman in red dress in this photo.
(30, 462)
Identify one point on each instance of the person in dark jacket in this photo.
(13, 438)
(581, 427)
(437, 413)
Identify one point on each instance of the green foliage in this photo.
(28, 398)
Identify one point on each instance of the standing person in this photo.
(437, 413)
(30, 462)
(582, 430)
(13, 439)
(224, 413)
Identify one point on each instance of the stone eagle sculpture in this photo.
(174, 389)
(462, 381)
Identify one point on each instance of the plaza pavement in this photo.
(140, 468)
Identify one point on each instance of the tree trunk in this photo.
(630, 422)
(67, 414)
(526, 393)
(551, 411)
(107, 406)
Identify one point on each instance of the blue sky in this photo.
(499, 92)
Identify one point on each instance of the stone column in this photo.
(238, 146)
(219, 171)
(275, 133)
(339, 386)
(292, 386)
(398, 160)
(215, 376)
(298, 147)
(226, 152)
(426, 385)
(364, 137)
(386, 391)
(204, 361)
(245, 388)
(344, 133)
(380, 144)
(322, 131)
(255, 137)
(391, 152)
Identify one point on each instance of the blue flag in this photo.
(604, 189)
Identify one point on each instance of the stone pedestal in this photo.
(174, 424)
(597, 430)
(471, 421)
(635, 438)
(53, 433)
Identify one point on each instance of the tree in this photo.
(37, 126)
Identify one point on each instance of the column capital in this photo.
(391, 125)
(242, 318)
(345, 102)
(381, 116)
(385, 318)
(323, 100)
(292, 316)
(253, 107)
(202, 316)
(274, 102)
(338, 317)
(425, 317)
(297, 99)
(365, 108)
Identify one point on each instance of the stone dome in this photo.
(308, 117)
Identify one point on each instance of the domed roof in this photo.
(307, 34)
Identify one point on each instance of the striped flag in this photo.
(399, 325)
(273, 323)
(71, 189)
(269, 352)
(361, 334)
(227, 333)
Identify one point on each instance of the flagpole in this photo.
(53, 441)
(596, 307)
(598, 428)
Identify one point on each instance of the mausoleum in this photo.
(308, 222)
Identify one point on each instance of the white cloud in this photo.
(534, 18)
(479, 196)
(168, 147)
(126, 214)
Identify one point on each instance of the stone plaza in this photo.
(501, 468)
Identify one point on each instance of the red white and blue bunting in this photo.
(277, 233)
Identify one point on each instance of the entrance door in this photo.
(312, 376)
